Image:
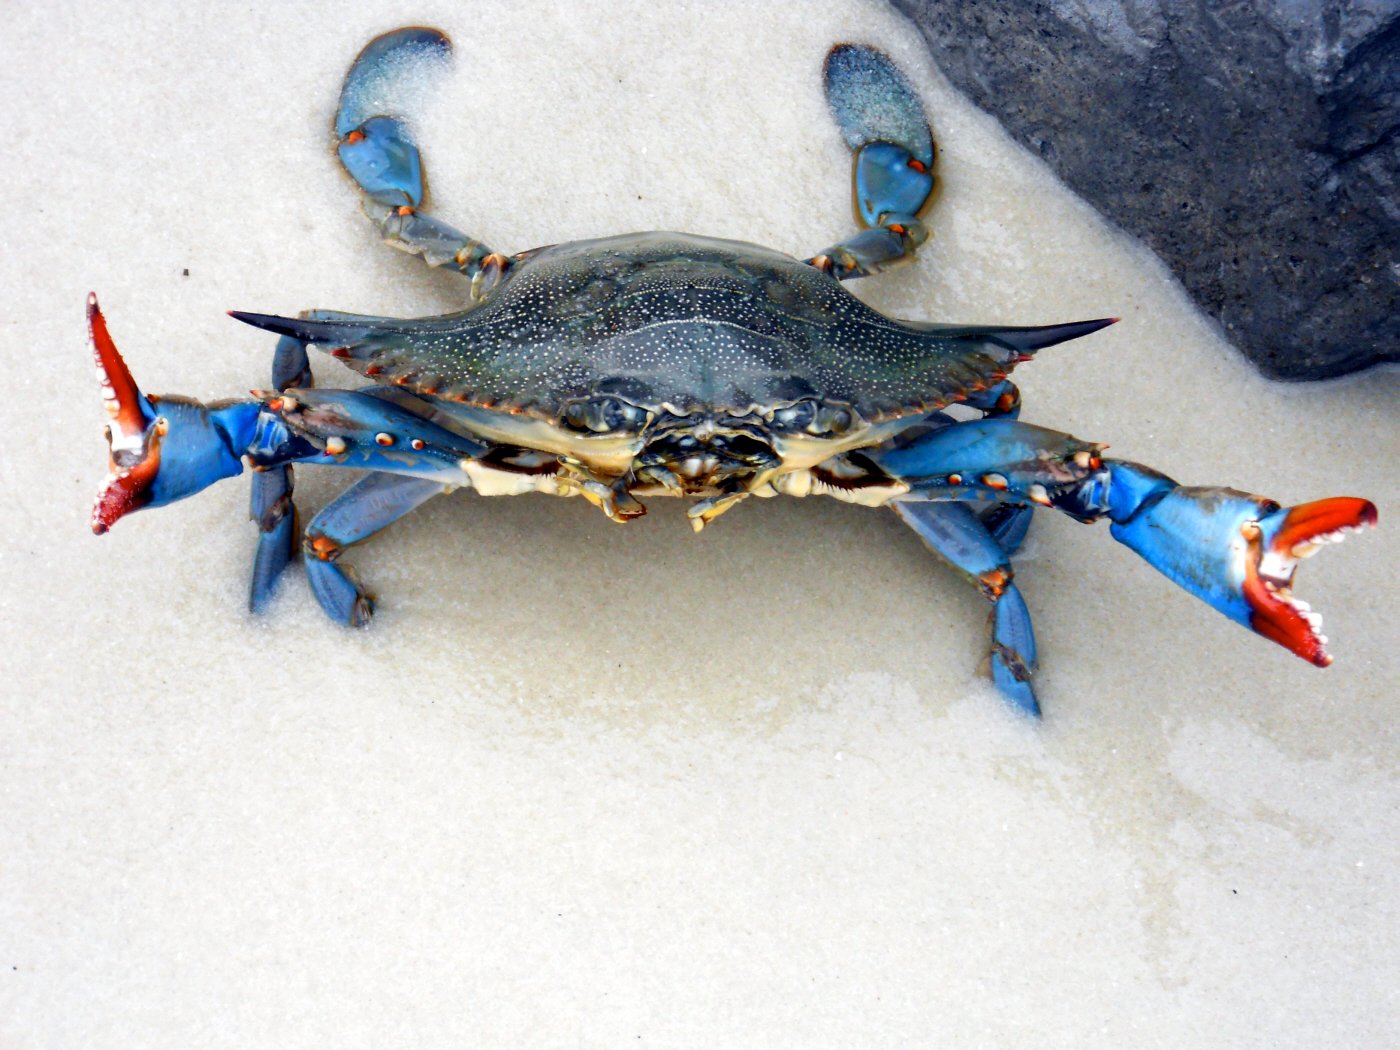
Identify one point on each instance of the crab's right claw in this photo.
(159, 449)
(375, 144)
(1236, 552)
(1276, 543)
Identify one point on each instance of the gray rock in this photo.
(1255, 145)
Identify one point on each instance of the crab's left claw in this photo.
(1236, 552)
(160, 449)
(134, 434)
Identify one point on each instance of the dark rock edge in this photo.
(1255, 147)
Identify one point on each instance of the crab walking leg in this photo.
(270, 499)
(377, 149)
(270, 496)
(883, 123)
(954, 533)
(373, 503)
(1235, 551)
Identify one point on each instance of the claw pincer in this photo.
(161, 449)
(1235, 551)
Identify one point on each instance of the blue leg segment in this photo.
(1013, 650)
(379, 428)
(377, 150)
(270, 499)
(371, 504)
(883, 123)
(954, 533)
(1007, 522)
(992, 460)
(272, 509)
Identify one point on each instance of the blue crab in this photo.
(665, 364)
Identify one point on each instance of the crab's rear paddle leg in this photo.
(376, 147)
(1237, 552)
(883, 123)
(954, 533)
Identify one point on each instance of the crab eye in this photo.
(834, 421)
(603, 415)
(815, 418)
(797, 416)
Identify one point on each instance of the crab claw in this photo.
(1236, 552)
(133, 435)
(155, 458)
(1276, 543)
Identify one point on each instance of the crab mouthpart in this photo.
(133, 435)
(1277, 543)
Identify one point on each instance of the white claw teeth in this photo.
(1315, 622)
(1276, 565)
(1305, 550)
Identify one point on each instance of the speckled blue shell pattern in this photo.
(693, 323)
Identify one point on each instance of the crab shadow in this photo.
(771, 604)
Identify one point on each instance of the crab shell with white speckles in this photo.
(669, 364)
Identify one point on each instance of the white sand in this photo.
(586, 786)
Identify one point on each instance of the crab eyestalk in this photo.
(159, 449)
(1237, 552)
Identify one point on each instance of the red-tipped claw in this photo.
(123, 400)
(133, 435)
(1277, 543)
